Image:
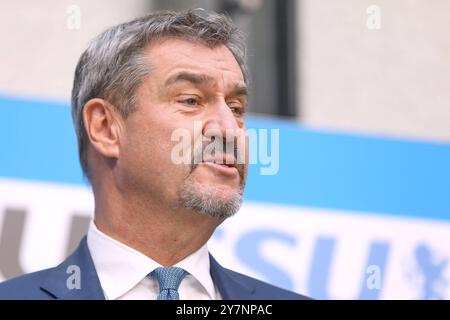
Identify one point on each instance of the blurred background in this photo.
(359, 92)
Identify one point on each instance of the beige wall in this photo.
(39, 52)
(391, 81)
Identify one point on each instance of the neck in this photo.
(166, 235)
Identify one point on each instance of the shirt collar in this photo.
(197, 264)
(120, 267)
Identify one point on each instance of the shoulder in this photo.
(55, 283)
(264, 290)
(25, 287)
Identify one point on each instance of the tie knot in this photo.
(169, 278)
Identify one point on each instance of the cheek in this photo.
(150, 150)
(243, 149)
(147, 157)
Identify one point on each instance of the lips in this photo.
(225, 161)
(220, 166)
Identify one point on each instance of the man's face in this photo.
(200, 91)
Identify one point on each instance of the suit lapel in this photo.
(80, 262)
(229, 287)
(90, 289)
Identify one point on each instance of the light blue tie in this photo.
(169, 279)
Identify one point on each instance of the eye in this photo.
(191, 101)
(237, 109)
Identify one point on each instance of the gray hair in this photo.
(115, 62)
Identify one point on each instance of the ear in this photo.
(103, 127)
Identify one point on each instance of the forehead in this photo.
(172, 55)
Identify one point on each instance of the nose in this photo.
(221, 123)
(220, 120)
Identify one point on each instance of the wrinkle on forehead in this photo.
(218, 62)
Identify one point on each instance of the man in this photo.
(136, 86)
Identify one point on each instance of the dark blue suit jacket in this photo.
(52, 283)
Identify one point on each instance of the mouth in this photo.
(227, 167)
(225, 161)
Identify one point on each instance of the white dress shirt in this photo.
(123, 271)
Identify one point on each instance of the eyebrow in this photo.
(203, 79)
(194, 78)
(240, 90)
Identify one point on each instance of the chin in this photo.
(216, 200)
